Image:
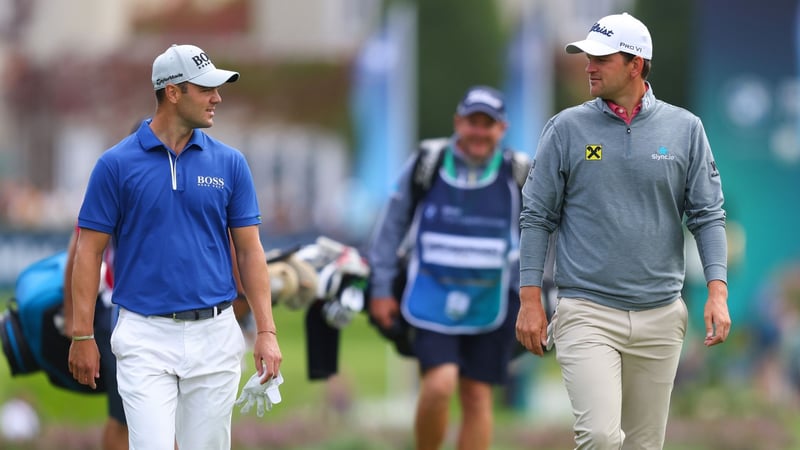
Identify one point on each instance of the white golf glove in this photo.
(264, 396)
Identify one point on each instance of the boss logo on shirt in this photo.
(594, 152)
(215, 182)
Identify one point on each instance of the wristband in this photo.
(88, 337)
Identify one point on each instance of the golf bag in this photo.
(327, 280)
(31, 327)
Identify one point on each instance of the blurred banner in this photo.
(529, 80)
(746, 92)
(383, 107)
(19, 248)
(529, 102)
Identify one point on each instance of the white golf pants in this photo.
(178, 379)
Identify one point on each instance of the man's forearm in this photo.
(85, 284)
(255, 282)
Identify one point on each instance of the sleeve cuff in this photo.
(530, 277)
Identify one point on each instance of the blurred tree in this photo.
(671, 26)
(461, 43)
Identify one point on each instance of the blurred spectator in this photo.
(776, 337)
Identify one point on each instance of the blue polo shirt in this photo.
(169, 217)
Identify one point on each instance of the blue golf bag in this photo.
(30, 328)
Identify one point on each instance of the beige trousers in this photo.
(619, 368)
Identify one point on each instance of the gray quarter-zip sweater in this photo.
(616, 194)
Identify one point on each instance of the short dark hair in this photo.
(184, 86)
(645, 67)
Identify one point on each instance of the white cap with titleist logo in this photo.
(615, 33)
(181, 63)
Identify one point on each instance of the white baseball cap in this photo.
(181, 63)
(615, 33)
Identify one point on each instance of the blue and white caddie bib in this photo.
(458, 277)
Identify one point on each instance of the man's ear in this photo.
(637, 64)
(172, 93)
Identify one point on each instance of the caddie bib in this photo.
(458, 276)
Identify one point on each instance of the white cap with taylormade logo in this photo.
(188, 63)
(616, 33)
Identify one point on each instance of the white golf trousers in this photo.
(178, 379)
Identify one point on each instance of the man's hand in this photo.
(532, 320)
(715, 314)
(384, 310)
(84, 362)
(267, 355)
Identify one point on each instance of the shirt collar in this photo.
(644, 103)
(150, 142)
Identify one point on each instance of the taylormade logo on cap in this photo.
(181, 63)
(615, 33)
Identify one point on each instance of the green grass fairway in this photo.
(369, 406)
(362, 362)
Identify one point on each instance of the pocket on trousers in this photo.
(552, 327)
(115, 333)
(684, 315)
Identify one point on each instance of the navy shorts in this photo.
(105, 318)
(483, 357)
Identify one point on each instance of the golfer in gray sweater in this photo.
(614, 178)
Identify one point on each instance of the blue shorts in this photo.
(483, 357)
(105, 318)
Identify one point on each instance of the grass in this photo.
(369, 405)
(363, 361)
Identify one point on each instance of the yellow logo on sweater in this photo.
(594, 152)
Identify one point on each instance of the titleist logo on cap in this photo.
(602, 30)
